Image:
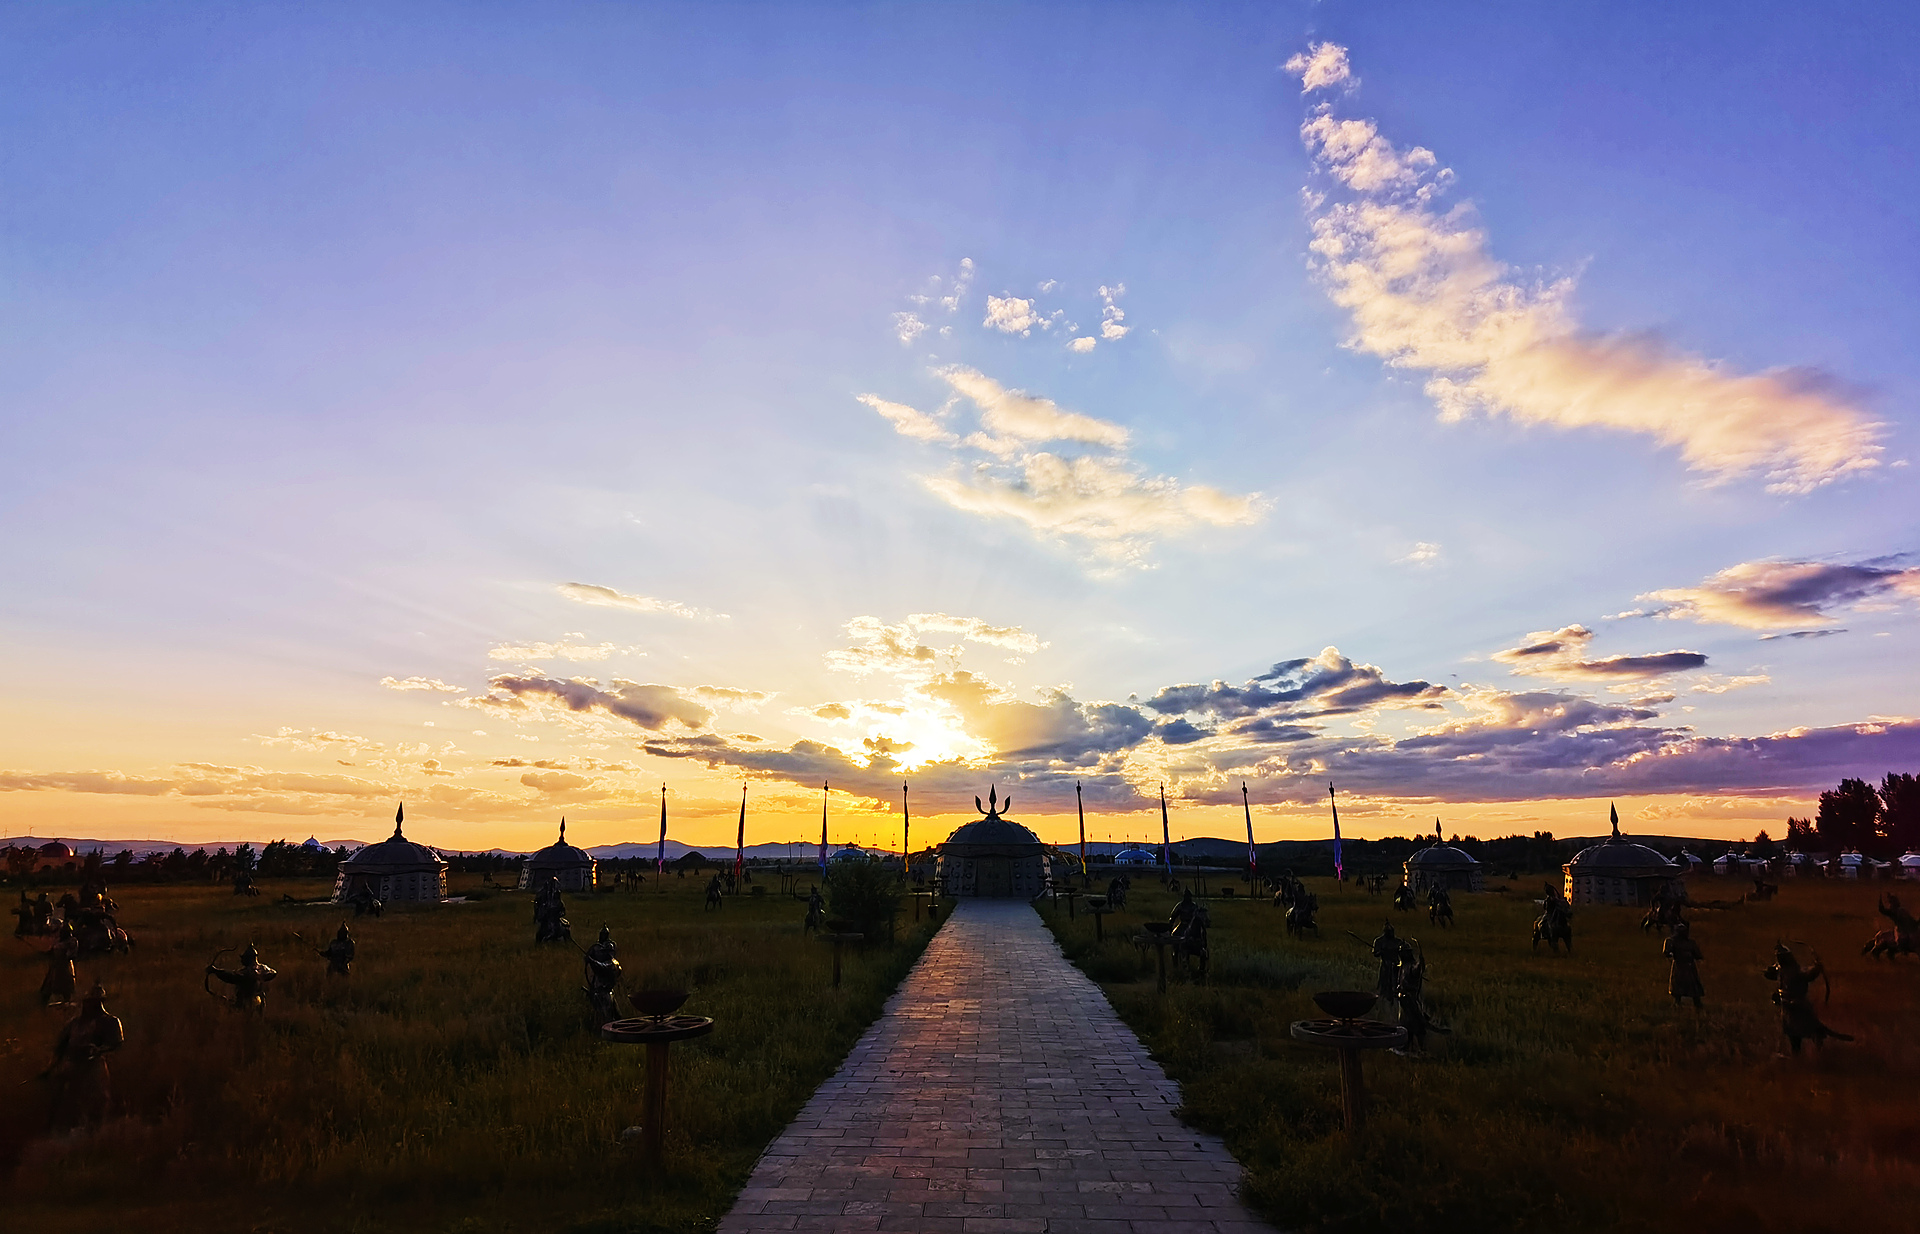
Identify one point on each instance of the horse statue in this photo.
(1300, 915)
(1554, 925)
(1902, 939)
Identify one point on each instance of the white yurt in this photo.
(1135, 857)
(1443, 866)
(1909, 864)
(572, 866)
(395, 869)
(1618, 871)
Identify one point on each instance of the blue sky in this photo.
(334, 347)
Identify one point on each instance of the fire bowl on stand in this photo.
(1348, 1034)
(1345, 1004)
(656, 1028)
(657, 1003)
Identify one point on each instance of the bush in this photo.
(863, 894)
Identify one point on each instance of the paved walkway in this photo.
(998, 1092)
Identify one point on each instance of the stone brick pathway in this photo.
(998, 1092)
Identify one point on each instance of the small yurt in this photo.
(1135, 857)
(1909, 865)
(852, 854)
(1618, 871)
(1847, 865)
(571, 865)
(1443, 866)
(394, 869)
(993, 857)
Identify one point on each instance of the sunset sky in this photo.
(1494, 409)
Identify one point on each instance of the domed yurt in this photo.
(572, 866)
(1443, 866)
(394, 869)
(1618, 871)
(852, 854)
(1135, 857)
(993, 857)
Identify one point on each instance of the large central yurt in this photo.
(572, 866)
(394, 869)
(1443, 867)
(1618, 871)
(993, 857)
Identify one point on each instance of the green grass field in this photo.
(1572, 1094)
(455, 1082)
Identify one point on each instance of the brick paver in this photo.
(997, 1092)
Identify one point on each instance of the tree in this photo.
(1801, 835)
(1848, 817)
(1764, 847)
(1900, 813)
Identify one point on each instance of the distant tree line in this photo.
(1881, 822)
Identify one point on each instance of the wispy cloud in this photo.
(1111, 315)
(652, 707)
(975, 630)
(1777, 595)
(607, 597)
(1425, 292)
(421, 683)
(1561, 655)
(1103, 498)
(1422, 554)
(562, 650)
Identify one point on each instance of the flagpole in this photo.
(1166, 836)
(660, 854)
(1253, 854)
(906, 833)
(1081, 806)
(740, 842)
(1339, 868)
(823, 830)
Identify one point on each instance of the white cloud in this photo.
(1015, 417)
(975, 630)
(909, 421)
(1111, 314)
(589, 593)
(1010, 315)
(1422, 554)
(1320, 66)
(421, 683)
(1561, 655)
(1425, 293)
(908, 327)
(1105, 501)
(1084, 344)
(552, 651)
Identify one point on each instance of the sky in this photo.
(1494, 411)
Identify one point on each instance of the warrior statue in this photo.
(339, 953)
(816, 911)
(550, 924)
(1300, 913)
(1555, 922)
(1683, 975)
(1402, 897)
(57, 987)
(1116, 893)
(79, 1071)
(1439, 906)
(1665, 910)
(1414, 1016)
(249, 981)
(716, 892)
(603, 973)
(1798, 1020)
(1391, 951)
(1902, 939)
(1190, 921)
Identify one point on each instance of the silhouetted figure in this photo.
(56, 988)
(249, 981)
(603, 974)
(1798, 1020)
(81, 1091)
(339, 953)
(1683, 974)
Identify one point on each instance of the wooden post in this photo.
(1353, 1090)
(653, 1127)
(1161, 951)
(836, 963)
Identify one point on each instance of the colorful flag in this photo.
(823, 829)
(1082, 807)
(1253, 854)
(740, 840)
(1339, 867)
(660, 855)
(1166, 837)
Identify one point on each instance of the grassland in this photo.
(1572, 1094)
(455, 1082)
